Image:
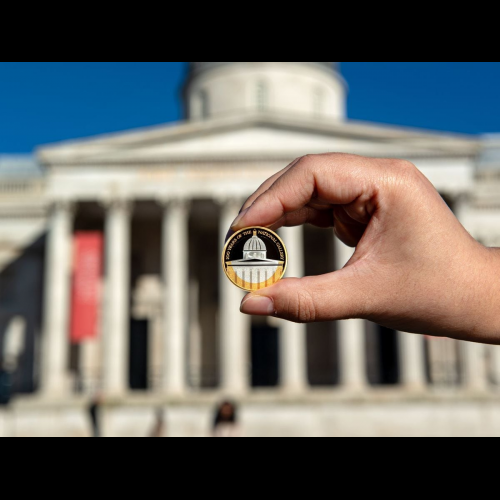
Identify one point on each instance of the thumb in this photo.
(338, 295)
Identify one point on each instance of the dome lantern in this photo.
(198, 67)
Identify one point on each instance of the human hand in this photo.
(415, 267)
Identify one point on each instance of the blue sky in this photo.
(42, 103)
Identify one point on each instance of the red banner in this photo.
(86, 288)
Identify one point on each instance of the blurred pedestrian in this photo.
(158, 429)
(226, 421)
(5, 387)
(94, 414)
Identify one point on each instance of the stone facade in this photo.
(171, 335)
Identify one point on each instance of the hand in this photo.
(415, 267)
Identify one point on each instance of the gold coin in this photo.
(254, 258)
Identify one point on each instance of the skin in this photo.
(415, 267)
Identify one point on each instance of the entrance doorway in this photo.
(382, 355)
(265, 355)
(138, 358)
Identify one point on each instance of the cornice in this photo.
(183, 160)
(88, 151)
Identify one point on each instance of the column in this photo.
(155, 347)
(494, 351)
(117, 307)
(293, 350)
(351, 335)
(90, 361)
(474, 373)
(175, 276)
(234, 327)
(443, 361)
(195, 336)
(54, 364)
(412, 356)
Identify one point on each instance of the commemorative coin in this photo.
(254, 258)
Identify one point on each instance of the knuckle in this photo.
(400, 171)
(297, 303)
(307, 161)
(405, 166)
(305, 310)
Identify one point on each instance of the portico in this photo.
(169, 328)
(220, 350)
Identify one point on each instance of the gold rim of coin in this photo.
(237, 277)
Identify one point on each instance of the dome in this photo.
(255, 244)
(314, 90)
(255, 248)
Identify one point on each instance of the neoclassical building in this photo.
(167, 331)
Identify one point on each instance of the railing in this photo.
(17, 187)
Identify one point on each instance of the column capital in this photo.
(63, 205)
(115, 203)
(174, 201)
(230, 202)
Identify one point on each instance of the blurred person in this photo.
(415, 268)
(226, 421)
(158, 429)
(13, 348)
(94, 410)
(5, 386)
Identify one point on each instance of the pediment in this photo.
(255, 137)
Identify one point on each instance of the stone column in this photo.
(155, 349)
(474, 372)
(54, 365)
(117, 308)
(293, 346)
(195, 336)
(412, 356)
(234, 327)
(494, 351)
(90, 361)
(443, 361)
(175, 276)
(351, 335)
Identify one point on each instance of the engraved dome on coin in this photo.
(254, 258)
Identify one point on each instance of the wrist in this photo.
(485, 303)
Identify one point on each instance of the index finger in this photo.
(337, 179)
(267, 184)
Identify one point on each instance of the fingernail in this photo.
(257, 305)
(240, 216)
